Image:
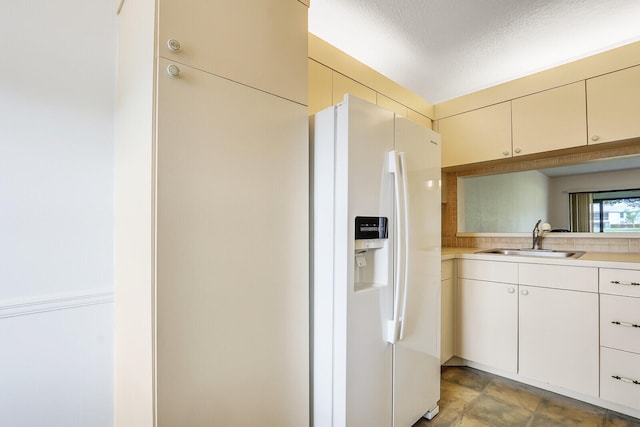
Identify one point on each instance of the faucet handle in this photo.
(535, 227)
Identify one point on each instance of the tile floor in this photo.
(473, 398)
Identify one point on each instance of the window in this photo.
(615, 211)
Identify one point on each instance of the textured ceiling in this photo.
(442, 49)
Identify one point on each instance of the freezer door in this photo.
(352, 300)
(363, 188)
(416, 367)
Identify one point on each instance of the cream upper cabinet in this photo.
(613, 106)
(343, 85)
(391, 105)
(418, 118)
(320, 87)
(550, 120)
(260, 44)
(476, 136)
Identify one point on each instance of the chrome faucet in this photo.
(537, 236)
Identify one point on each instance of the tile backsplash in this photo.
(577, 241)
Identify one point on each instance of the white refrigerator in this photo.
(376, 268)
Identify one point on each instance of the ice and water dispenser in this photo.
(371, 266)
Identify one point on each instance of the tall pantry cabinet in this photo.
(211, 258)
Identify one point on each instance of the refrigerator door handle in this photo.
(395, 327)
(405, 242)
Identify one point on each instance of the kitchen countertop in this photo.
(589, 259)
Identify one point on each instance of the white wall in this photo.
(57, 85)
(501, 203)
(560, 188)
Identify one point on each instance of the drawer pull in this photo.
(617, 282)
(631, 325)
(625, 380)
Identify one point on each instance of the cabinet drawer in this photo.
(447, 269)
(626, 366)
(560, 277)
(620, 282)
(626, 311)
(490, 271)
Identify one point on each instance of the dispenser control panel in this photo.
(371, 227)
(372, 254)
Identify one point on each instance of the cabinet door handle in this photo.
(173, 70)
(630, 325)
(525, 292)
(173, 45)
(625, 380)
(617, 282)
(511, 290)
(517, 150)
(505, 153)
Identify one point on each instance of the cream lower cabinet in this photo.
(539, 321)
(574, 328)
(488, 314)
(558, 326)
(447, 311)
(558, 338)
(488, 319)
(620, 336)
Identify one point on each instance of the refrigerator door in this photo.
(416, 368)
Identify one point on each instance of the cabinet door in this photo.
(488, 323)
(232, 254)
(262, 44)
(343, 85)
(613, 106)
(550, 120)
(418, 118)
(446, 320)
(320, 87)
(447, 310)
(558, 339)
(476, 136)
(391, 105)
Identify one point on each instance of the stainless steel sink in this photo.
(539, 253)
